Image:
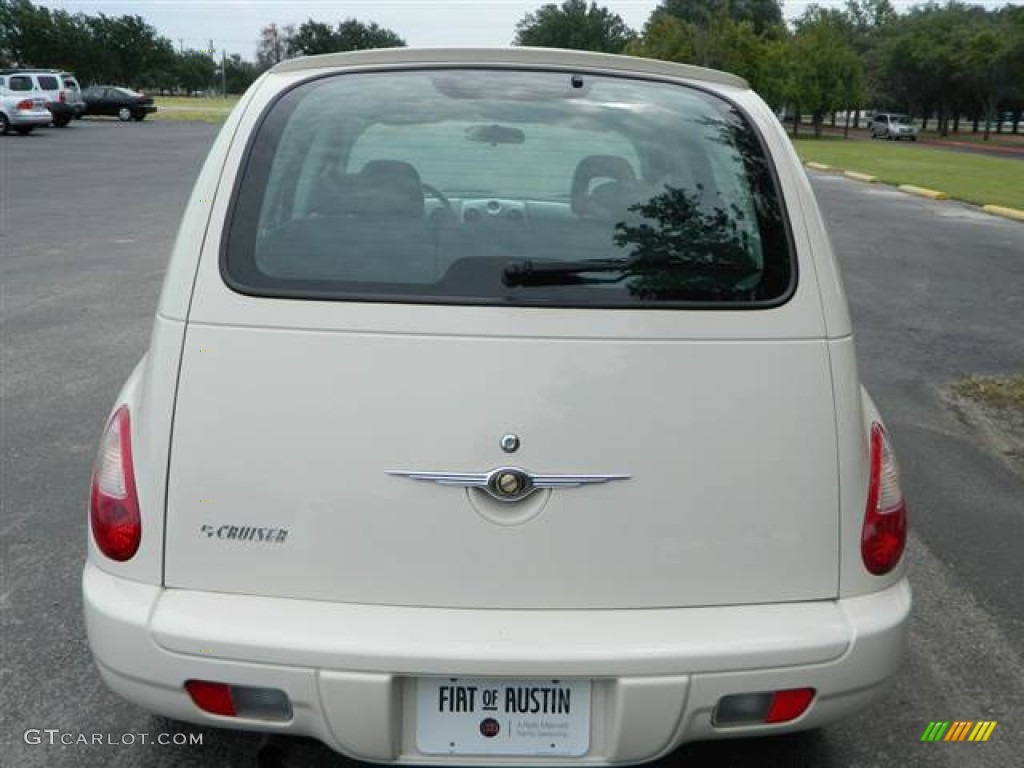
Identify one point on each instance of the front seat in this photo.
(609, 168)
(391, 187)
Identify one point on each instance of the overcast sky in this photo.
(234, 25)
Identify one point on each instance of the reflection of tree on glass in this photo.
(680, 251)
(753, 160)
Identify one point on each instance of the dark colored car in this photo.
(122, 103)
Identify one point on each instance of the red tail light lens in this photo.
(885, 519)
(240, 700)
(25, 105)
(789, 705)
(211, 697)
(114, 504)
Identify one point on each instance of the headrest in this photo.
(390, 186)
(382, 187)
(610, 167)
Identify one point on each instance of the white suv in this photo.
(22, 106)
(48, 84)
(501, 408)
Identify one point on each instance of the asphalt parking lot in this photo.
(87, 218)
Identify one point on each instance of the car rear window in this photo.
(20, 83)
(508, 187)
(48, 83)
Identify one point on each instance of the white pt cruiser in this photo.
(501, 407)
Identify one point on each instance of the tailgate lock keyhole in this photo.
(509, 443)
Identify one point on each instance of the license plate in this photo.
(473, 716)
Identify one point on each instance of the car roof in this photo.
(519, 55)
(32, 71)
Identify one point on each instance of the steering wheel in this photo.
(433, 191)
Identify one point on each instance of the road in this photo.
(87, 217)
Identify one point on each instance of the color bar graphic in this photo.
(958, 730)
(982, 730)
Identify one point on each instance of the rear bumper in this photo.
(29, 118)
(349, 669)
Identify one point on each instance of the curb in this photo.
(1002, 210)
(931, 194)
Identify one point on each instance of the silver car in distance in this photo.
(501, 408)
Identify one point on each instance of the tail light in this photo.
(62, 97)
(25, 105)
(211, 697)
(885, 519)
(768, 707)
(240, 700)
(114, 504)
(789, 705)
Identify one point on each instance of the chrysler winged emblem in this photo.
(508, 483)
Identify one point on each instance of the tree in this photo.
(869, 15)
(722, 43)
(985, 62)
(1012, 21)
(668, 38)
(273, 45)
(195, 70)
(574, 25)
(354, 35)
(762, 14)
(825, 72)
(26, 32)
(239, 74)
(315, 37)
(311, 38)
(920, 62)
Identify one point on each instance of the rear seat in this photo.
(367, 227)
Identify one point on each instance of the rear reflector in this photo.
(762, 708)
(789, 705)
(211, 697)
(240, 700)
(885, 519)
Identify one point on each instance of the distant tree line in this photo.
(315, 37)
(125, 50)
(941, 62)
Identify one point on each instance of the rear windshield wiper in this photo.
(529, 272)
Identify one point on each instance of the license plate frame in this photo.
(521, 717)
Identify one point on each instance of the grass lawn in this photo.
(977, 179)
(212, 110)
(996, 405)
(993, 390)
